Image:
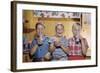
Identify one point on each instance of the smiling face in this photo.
(59, 29)
(76, 29)
(40, 29)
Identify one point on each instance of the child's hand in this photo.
(47, 56)
(40, 38)
(80, 37)
(57, 44)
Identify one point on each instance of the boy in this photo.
(77, 44)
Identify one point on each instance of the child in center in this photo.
(59, 44)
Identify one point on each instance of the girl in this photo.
(40, 44)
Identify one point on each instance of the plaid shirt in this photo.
(75, 48)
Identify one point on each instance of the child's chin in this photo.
(59, 35)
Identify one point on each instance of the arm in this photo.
(33, 47)
(66, 50)
(65, 45)
(33, 50)
(51, 48)
(51, 45)
(84, 46)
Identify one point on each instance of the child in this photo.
(77, 44)
(58, 47)
(40, 44)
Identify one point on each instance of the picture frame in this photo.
(51, 11)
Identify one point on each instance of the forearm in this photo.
(52, 48)
(66, 50)
(84, 48)
(84, 51)
(33, 50)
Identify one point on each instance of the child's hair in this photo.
(59, 24)
(78, 24)
(39, 24)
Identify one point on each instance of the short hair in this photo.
(78, 24)
(37, 24)
(59, 24)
